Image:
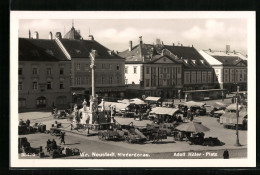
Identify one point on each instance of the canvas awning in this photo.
(163, 111)
(193, 103)
(137, 101)
(233, 107)
(119, 106)
(152, 98)
(231, 118)
(126, 101)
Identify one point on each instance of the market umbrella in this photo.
(192, 127)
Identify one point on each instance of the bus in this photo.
(208, 94)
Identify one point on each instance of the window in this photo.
(117, 67)
(62, 84)
(110, 66)
(20, 86)
(126, 81)
(35, 71)
(147, 82)
(160, 82)
(178, 70)
(20, 71)
(164, 70)
(78, 81)
(86, 80)
(209, 77)
(147, 70)
(78, 66)
(168, 83)
(87, 67)
(110, 80)
(103, 80)
(135, 71)
(126, 70)
(179, 81)
(49, 85)
(35, 85)
(118, 80)
(22, 102)
(49, 71)
(103, 66)
(61, 71)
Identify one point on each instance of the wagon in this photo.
(55, 131)
(108, 135)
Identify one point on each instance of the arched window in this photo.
(41, 101)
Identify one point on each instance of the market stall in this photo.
(229, 119)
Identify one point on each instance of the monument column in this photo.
(93, 100)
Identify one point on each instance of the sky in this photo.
(115, 34)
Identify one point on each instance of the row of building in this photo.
(56, 71)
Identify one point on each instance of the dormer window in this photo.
(194, 61)
(185, 60)
(49, 52)
(202, 61)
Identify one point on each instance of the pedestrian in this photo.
(62, 137)
(226, 154)
(54, 144)
(191, 116)
(28, 122)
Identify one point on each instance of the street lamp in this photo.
(237, 115)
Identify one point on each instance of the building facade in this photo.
(109, 70)
(197, 73)
(44, 75)
(151, 71)
(56, 71)
(230, 68)
(166, 70)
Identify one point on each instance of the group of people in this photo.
(27, 123)
(52, 145)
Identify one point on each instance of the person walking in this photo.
(226, 154)
(62, 137)
(28, 122)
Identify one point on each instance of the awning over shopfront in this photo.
(231, 118)
(165, 111)
(152, 98)
(193, 103)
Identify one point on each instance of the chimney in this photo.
(91, 37)
(140, 40)
(192, 45)
(36, 35)
(227, 48)
(130, 45)
(50, 36)
(234, 51)
(172, 44)
(163, 52)
(209, 49)
(29, 34)
(162, 42)
(181, 45)
(58, 35)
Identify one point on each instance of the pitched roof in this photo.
(190, 56)
(72, 34)
(82, 48)
(227, 59)
(146, 53)
(40, 50)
